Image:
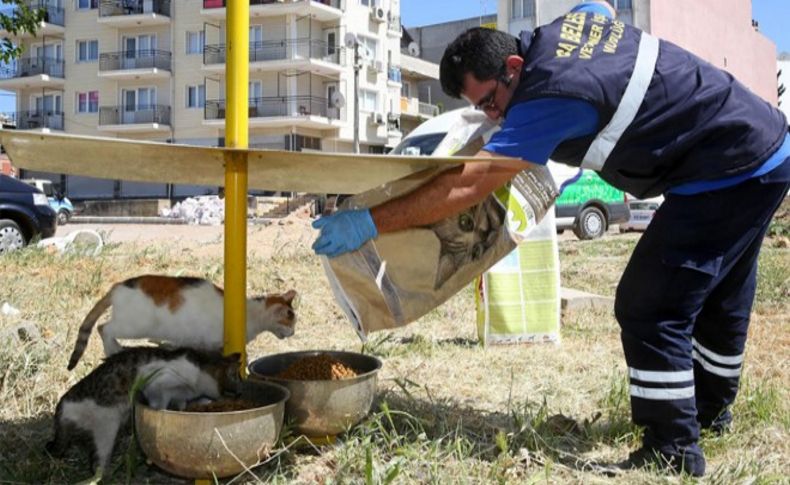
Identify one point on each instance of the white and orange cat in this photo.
(182, 311)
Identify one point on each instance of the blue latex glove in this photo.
(343, 232)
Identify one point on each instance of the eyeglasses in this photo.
(488, 103)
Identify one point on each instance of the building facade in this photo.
(155, 70)
(719, 31)
(783, 79)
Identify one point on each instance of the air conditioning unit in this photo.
(377, 14)
(375, 67)
(377, 119)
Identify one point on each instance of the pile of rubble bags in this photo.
(205, 210)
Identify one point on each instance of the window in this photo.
(87, 50)
(255, 90)
(372, 46)
(405, 90)
(368, 3)
(88, 102)
(522, 9)
(256, 35)
(368, 100)
(87, 4)
(195, 42)
(196, 96)
(622, 4)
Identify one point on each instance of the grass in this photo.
(448, 411)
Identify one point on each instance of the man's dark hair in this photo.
(479, 51)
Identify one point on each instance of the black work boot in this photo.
(718, 425)
(644, 457)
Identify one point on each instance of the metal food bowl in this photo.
(323, 408)
(188, 444)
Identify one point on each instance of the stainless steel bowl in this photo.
(319, 409)
(188, 444)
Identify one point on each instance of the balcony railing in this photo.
(30, 120)
(277, 50)
(139, 59)
(394, 74)
(127, 115)
(222, 3)
(33, 66)
(112, 8)
(427, 109)
(52, 13)
(280, 106)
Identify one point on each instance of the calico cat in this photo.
(95, 408)
(466, 237)
(183, 311)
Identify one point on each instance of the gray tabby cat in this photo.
(182, 311)
(96, 407)
(467, 236)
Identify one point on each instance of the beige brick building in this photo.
(155, 70)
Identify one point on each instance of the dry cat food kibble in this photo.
(221, 406)
(321, 367)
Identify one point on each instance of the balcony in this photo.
(134, 119)
(35, 72)
(314, 55)
(134, 13)
(413, 108)
(320, 10)
(394, 27)
(279, 111)
(139, 64)
(394, 75)
(54, 21)
(39, 120)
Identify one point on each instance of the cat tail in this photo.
(87, 326)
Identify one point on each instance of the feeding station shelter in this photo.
(233, 166)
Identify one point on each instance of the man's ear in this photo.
(513, 65)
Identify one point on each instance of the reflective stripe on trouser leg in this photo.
(720, 338)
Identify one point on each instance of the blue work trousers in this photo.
(684, 302)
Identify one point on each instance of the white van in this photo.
(587, 204)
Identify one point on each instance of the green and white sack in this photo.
(518, 299)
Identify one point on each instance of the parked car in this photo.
(587, 204)
(25, 214)
(60, 203)
(642, 212)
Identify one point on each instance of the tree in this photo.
(23, 18)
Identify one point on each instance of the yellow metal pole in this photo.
(237, 36)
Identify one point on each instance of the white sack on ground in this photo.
(399, 277)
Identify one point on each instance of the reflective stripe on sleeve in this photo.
(635, 92)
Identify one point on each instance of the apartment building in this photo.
(155, 70)
(783, 79)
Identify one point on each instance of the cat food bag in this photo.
(518, 299)
(395, 279)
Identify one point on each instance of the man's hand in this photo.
(343, 232)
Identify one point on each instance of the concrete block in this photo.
(573, 300)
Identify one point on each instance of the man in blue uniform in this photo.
(651, 118)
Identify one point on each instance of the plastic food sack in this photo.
(399, 277)
(518, 299)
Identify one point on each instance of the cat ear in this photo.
(289, 296)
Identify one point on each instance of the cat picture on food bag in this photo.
(466, 237)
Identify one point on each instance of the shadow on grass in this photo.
(529, 432)
(23, 458)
